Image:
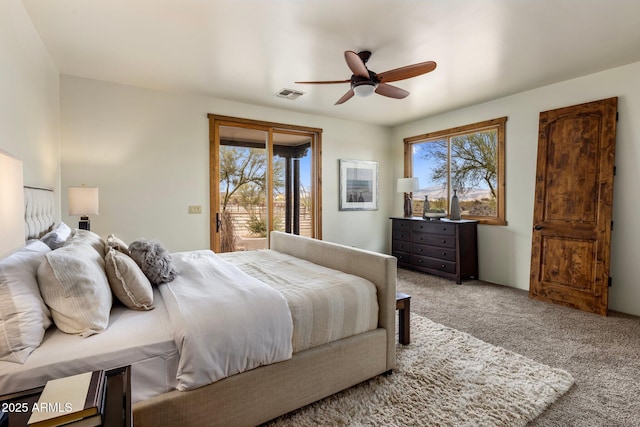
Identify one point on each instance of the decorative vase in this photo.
(455, 207)
(425, 207)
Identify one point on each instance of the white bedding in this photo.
(211, 322)
(142, 339)
(224, 320)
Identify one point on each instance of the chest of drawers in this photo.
(444, 248)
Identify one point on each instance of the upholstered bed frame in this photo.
(39, 212)
(258, 395)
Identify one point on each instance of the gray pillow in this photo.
(154, 260)
(57, 237)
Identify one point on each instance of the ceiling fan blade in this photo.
(391, 91)
(407, 72)
(355, 63)
(325, 82)
(347, 96)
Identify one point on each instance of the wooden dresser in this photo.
(445, 248)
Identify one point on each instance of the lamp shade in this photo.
(407, 185)
(11, 204)
(83, 201)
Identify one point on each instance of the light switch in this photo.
(195, 209)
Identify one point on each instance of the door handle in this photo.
(538, 227)
(218, 222)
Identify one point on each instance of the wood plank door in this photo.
(573, 206)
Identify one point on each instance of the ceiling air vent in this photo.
(289, 94)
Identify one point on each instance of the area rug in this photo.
(443, 378)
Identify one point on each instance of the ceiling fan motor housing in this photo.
(372, 80)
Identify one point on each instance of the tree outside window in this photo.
(467, 159)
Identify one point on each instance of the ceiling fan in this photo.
(365, 82)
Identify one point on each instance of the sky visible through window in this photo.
(424, 162)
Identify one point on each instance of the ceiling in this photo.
(248, 50)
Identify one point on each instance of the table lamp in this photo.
(83, 201)
(407, 186)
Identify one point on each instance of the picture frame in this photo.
(358, 185)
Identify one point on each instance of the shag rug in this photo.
(443, 378)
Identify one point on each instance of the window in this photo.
(467, 160)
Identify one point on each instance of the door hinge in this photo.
(615, 170)
(616, 116)
(612, 225)
(609, 281)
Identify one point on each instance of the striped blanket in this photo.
(326, 305)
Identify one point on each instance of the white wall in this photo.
(148, 151)
(505, 251)
(29, 98)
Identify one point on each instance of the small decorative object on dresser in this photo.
(445, 248)
(455, 206)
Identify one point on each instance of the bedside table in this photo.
(117, 407)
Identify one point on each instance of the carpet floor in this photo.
(443, 378)
(601, 353)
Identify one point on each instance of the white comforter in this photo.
(224, 320)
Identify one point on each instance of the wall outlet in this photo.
(195, 209)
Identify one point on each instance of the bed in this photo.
(313, 350)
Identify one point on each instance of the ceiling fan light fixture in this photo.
(364, 89)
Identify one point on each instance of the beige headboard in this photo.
(39, 212)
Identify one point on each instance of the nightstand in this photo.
(117, 408)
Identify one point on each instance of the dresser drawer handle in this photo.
(444, 254)
(444, 241)
(442, 266)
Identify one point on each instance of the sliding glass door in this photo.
(264, 177)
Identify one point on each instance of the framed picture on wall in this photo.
(358, 185)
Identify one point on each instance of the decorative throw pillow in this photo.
(74, 286)
(23, 315)
(57, 237)
(127, 281)
(117, 243)
(90, 238)
(154, 260)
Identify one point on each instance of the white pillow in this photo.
(127, 281)
(74, 285)
(57, 237)
(91, 239)
(23, 315)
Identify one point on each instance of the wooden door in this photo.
(573, 203)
